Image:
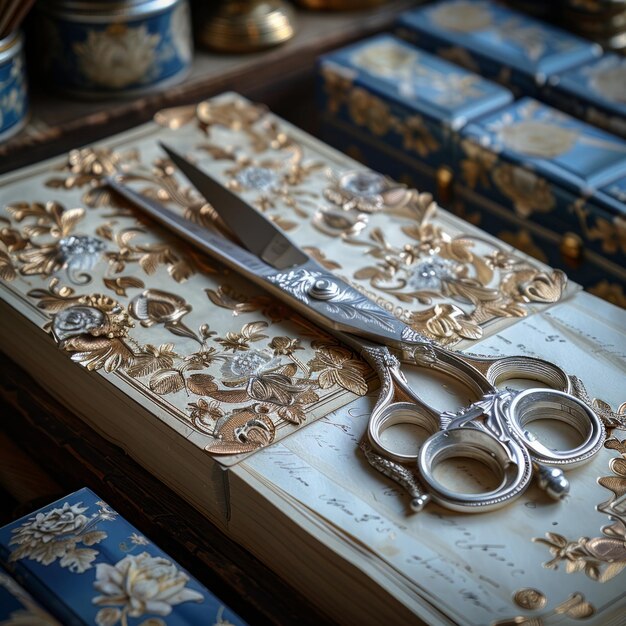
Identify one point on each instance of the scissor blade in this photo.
(256, 232)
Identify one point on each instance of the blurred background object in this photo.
(98, 48)
(13, 84)
(246, 25)
(339, 5)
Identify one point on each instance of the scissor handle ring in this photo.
(510, 463)
(388, 415)
(530, 368)
(536, 404)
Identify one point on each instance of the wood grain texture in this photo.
(75, 456)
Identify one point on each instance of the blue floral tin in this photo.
(98, 48)
(13, 86)
(498, 43)
(87, 565)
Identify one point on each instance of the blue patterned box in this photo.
(498, 43)
(399, 102)
(595, 92)
(18, 607)
(87, 565)
(554, 171)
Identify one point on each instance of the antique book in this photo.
(208, 382)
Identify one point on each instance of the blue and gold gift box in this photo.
(85, 564)
(557, 177)
(399, 107)
(544, 181)
(595, 92)
(496, 42)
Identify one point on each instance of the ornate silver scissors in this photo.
(493, 430)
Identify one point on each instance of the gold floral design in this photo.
(528, 192)
(92, 328)
(243, 385)
(149, 256)
(432, 264)
(337, 366)
(477, 165)
(574, 608)
(138, 585)
(367, 110)
(56, 534)
(600, 558)
(610, 233)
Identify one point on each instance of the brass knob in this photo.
(445, 178)
(571, 248)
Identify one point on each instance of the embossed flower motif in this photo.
(241, 341)
(365, 191)
(477, 165)
(445, 323)
(241, 366)
(530, 193)
(94, 333)
(80, 254)
(45, 527)
(463, 16)
(77, 320)
(531, 285)
(285, 346)
(611, 234)
(337, 366)
(141, 584)
(154, 306)
(56, 534)
(243, 431)
(337, 84)
(118, 56)
(431, 272)
(258, 178)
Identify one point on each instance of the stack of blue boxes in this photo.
(506, 153)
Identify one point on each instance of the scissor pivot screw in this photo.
(323, 289)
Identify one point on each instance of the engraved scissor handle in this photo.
(492, 430)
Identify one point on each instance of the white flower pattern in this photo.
(56, 534)
(118, 56)
(138, 585)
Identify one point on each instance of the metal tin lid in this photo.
(91, 10)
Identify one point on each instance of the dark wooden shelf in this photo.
(275, 76)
